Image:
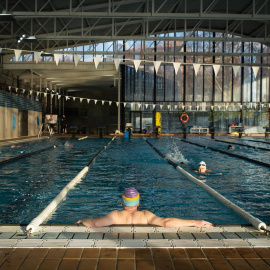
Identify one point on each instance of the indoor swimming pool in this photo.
(29, 184)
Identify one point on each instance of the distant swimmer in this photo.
(15, 146)
(67, 144)
(202, 169)
(230, 147)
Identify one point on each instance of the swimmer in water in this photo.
(67, 144)
(230, 147)
(202, 169)
(15, 146)
(130, 216)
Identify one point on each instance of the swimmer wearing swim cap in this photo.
(131, 216)
(130, 197)
(202, 168)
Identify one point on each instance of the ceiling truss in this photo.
(62, 24)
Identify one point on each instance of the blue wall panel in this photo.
(12, 101)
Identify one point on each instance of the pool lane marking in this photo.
(229, 153)
(82, 138)
(33, 225)
(250, 146)
(248, 140)
(257, 223)
(26, 155)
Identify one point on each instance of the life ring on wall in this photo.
(185, 116)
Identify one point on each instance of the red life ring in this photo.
(184, 120)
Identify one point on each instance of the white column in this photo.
(51, 98)
(118, 127)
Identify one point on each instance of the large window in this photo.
(237, 79)
(243, 75)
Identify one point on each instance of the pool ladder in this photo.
(47, 128)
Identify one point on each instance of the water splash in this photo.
(176, 155)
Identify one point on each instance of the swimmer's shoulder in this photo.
(114, 213)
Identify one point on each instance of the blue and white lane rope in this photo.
(33, 225)
(260, 225)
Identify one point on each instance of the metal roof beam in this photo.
(111, 38)
(192, 16)
(262, 6)
(123, 25)
(247, 10)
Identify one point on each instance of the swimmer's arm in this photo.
(175, 222)
(213, 172)
(197, 171)
(109, 219)
(182, 164)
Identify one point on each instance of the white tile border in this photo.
(214, 229)
(234, 229)
(190, 230)
(61, 243)
(30, 243)
(124, 229)
(133, 243)
(184, 243)
(102, 230)
(139, 229)
(56, 229)
(166, 230)
(76, 229)
(211, 243)
(108, 243)
(8, 242)
(263, 242)
(81, 243)
(15, 229)
(235, 243)
(154, 243)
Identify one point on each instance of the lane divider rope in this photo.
(250, 146)
(229, 153)
(260, 225)
(249, 140)
(33, 225)
(26, 155)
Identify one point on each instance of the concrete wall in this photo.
(12, 126)
(33, 127)
(6, 123)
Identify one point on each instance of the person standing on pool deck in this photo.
(131, 216)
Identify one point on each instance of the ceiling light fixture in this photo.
(26, 38)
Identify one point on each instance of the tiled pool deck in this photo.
(133, 247)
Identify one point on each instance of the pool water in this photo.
(29, 184)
